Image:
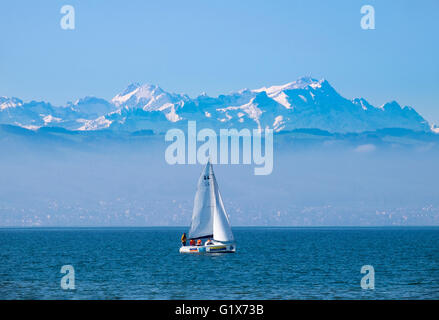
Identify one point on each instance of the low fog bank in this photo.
(59, 181)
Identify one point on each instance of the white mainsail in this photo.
(202, 219)
(209, 218)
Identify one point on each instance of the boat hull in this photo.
(214, 248)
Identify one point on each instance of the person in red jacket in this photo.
(192, 242)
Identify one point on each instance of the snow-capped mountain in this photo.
(305, 103)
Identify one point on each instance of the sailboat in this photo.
(209, 218)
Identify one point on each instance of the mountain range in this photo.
(306, 103)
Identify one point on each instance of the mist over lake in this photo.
(64, 178)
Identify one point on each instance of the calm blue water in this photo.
(271, 263)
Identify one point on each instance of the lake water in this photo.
(270, 263)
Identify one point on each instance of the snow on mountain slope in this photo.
(35, 114)
(305, 103)
(7, 103)
(92, 107)
(147, 97)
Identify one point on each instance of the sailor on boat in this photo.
(209, 219)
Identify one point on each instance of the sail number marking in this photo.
(206, 180)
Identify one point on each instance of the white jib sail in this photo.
(221, 224)
(209, 218)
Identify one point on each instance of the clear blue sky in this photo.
(220, 46)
